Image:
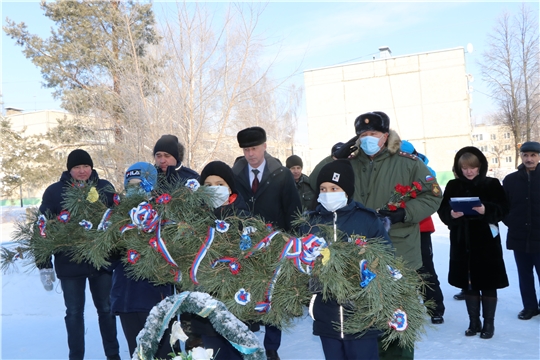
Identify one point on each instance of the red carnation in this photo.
(392, 207)
(417, 185)
(413, 194)
(402, 204)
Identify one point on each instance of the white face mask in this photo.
(333, 201)
(218, 195)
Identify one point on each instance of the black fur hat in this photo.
(251, 136)
(372, 121)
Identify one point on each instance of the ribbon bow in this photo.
(233, 263)
(366, 274)
(303, 251)
(143, 217)
(42, 223)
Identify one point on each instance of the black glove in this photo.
(346, 149)
(394, 216)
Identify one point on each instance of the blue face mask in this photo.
(370, 145)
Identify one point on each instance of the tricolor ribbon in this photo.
(233, 263)
(42, 223)
(143, 217)
(116, 199)
(303, 251)
(201, 254)
(104, 223)
(263, 243)
(264, 306)
(87, 225)
(395, 273)
(162, 248)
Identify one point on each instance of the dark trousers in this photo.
(74, 298)
(395, 352)
(223, 350)
(526, 263)
(272, 337)
(356, 349)
(133, 323)
(433, 288)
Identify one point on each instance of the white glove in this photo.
(47, 278)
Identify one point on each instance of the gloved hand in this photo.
(47, 278)
(394, 216)
(346, 150)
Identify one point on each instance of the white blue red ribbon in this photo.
(233, 264)
(201, 254)
(303, 251)
(116, 199)
(395, 273)
(264, 243)
(105, 223)
(143, 217)
(264, 306)
(42, 224)
(87, 225)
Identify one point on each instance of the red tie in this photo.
(255, 183)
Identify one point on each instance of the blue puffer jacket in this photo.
(355, 219)
(128, 295)
(51, 205)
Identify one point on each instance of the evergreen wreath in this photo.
(225, 323)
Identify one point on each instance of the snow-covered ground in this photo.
(33, 319)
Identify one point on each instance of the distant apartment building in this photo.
(497, 144)
(426, 96)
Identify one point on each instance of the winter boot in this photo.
(489, 304)
(473, 308)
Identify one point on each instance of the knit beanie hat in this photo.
(251, 136)
(294, 160)
(141, 170)
(372, 121)
(339, 172)
(168, 144)
(219, 168)
(79, 157)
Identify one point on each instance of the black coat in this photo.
(523, 192)
(51, 204)
(276, 199)
(476, 258)
(351, 219)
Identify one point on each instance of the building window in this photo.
(506, 147)
(507, 135)
(483, 148)
(493, 137)
(508, 159)
(478, 137)
(494, 160)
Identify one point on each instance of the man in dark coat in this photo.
(270, 192)
(306, 193)
(74, 275)
(523, 192)
(168, 155)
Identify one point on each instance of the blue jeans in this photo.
(74, 298)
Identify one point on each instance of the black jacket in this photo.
(51, 203)
(351, 219)
(523, 192)
(276, 199)
(476, 258)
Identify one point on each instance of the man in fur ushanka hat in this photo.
(379, 165)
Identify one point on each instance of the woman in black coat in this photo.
(476, 259)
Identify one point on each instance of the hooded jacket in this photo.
(476, 258)
(351, 219)
(523, 193)
(51, 204)
(276, 199)
(375, 181)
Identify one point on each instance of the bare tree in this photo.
(510, 67)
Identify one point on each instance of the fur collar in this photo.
(393, 143)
